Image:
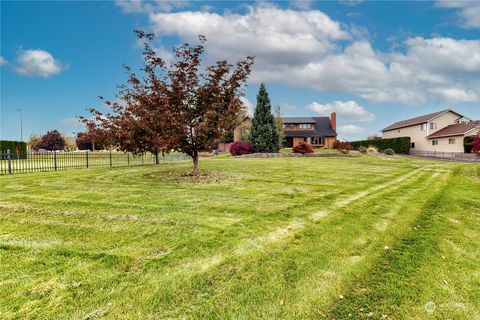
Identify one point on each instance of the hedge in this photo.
(399, 145)
(467, 148)
(12, 146)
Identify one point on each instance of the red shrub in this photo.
(343, 145)
(303, 148)
(476, 144)
(240, 147)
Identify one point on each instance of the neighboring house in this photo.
(441, 131)
(318, 131)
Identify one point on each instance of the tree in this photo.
(34, 141)
(476, 144)
(280, 128)
(52, 140)
(263, 133)
(183, 106)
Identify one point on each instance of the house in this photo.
(318, 131)
(441, 131)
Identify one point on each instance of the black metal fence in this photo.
(446, 155)
(21, 162)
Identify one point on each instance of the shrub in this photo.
(303, 148)
(467, 144)
(476, 144)
(344, 151)
(363, 150)
(399, 145)
(389, 152)
(372, 150)
(342, 145)
(240, 147)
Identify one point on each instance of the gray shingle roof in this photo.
(323, 127)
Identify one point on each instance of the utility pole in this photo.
(21, 123)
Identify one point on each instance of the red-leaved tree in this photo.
(476, 144)
(180, 106)
(52, 140)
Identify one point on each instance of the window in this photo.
(413, 145)
(398, 131)
(433, 126)
(305, 126)
(424, 126)
(434, 142)
(451, 141)
(318, 141)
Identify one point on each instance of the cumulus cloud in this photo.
(308, 49)
(468, 12)
(138, 6)
(351, 129)
(2, 61)
(349, 110)
(38, 63)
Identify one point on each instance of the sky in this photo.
(373, 63)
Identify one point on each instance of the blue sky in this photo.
(372, 62)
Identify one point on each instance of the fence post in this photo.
(128, 159)
(110, 157)
(55, 160)
(86, 157)
(9, 157)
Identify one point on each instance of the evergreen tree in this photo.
(264, 133)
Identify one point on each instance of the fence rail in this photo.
(446, 155)
(21, 162)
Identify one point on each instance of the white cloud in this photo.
(351, 3)
(302, 4)
(250, 107)
(138, 6)
(309, 49)
(38, 63)
(71, 124)
(349, 110)
(351, 129)
(2, 61)
(456, 94)
(130, 6)
(468, 12)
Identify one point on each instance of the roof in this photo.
(417, 120)
(298, 120)
(455, 129)
(323, 127)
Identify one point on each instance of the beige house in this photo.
(441, 131)
(317, 131)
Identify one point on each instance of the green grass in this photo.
(283, 238)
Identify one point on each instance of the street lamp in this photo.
(21, 123)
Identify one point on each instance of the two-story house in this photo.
(441, 131)
(317, 131)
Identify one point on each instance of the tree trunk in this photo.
(157, 160)
(195, 163)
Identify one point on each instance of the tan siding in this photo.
(444, 146)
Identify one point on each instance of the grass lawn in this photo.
(283, 238)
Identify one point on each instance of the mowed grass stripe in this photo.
(410, 280)
(272, 307)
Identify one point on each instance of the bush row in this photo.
(17, 149)
(399, 145)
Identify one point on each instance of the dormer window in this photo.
(305, 126)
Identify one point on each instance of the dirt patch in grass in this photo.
(207, 177)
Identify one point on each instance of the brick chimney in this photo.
(333, 120)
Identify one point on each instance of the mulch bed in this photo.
(293, 155)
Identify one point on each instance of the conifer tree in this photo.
(263, 133)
